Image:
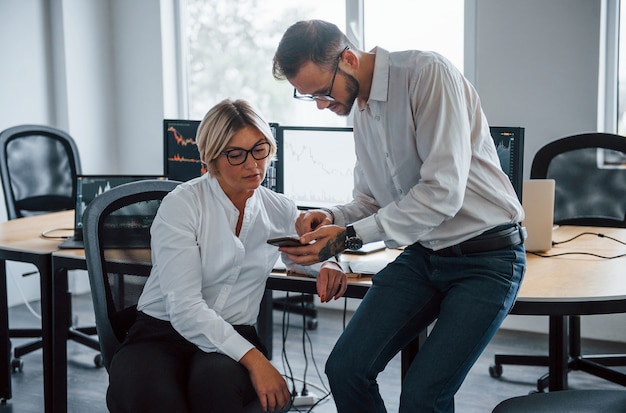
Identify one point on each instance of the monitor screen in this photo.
(182, 160)
(510, 147)
(316, 165)
(88, 187)
(181, 157)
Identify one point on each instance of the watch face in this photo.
(353, 243)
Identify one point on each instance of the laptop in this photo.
(129, 227)
(538, 203)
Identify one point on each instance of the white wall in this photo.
(114, 83)
(537, 67)
(24, 76)
(104, 71)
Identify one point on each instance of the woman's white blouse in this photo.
(204, 278)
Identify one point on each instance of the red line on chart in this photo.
(179, 138)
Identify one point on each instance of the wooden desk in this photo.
(574, 285)
(20, 240)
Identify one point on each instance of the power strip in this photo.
(308, 400)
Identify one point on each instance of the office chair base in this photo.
(495, 370)
(83, 335)
(17, 364)
(24, 349)
(596, 365)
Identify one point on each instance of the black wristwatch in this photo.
(352, 242)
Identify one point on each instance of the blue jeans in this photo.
(468, 295)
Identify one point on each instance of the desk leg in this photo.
(5, 344)
(59, 326)
(558, 358)
(47, 337)
(410, 351)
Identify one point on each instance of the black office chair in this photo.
(116, 285)
(568, 401)
(38, 168)
(114, 290)
(590, 191)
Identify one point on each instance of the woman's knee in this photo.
(218, 377)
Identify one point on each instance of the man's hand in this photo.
(332, 282)
(329, 241)
(311, 220)
(269, 384)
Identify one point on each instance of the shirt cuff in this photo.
(369, 230)
(338, 218)
(236, 346)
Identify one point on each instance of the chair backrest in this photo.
(38, 167)
(117, 276)
(590, 174)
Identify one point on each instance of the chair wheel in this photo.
(495, 370)
(98, 360)
(311, 324)
(17, 365)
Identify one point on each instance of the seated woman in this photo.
(194, 347)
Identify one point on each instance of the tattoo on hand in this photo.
(333, 247)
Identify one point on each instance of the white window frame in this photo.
(608, 67)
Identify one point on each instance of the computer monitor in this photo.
(181, 157)
(510, 147)
(315, 165)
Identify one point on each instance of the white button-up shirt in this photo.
(427, 168)
(204, 278)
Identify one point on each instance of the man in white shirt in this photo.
(427, 177)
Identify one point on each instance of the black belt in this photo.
(497, 238)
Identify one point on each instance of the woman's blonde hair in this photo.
(222, 122)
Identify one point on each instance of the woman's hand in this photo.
(332, 282)
(269, 384)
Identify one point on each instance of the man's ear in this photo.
(351, 59)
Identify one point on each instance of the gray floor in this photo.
(479, 394)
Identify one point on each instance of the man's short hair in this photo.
(316, 41)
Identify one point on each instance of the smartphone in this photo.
(285, 242)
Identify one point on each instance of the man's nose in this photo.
(322, 104)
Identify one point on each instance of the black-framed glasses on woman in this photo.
(326, 97)
(238, 156)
